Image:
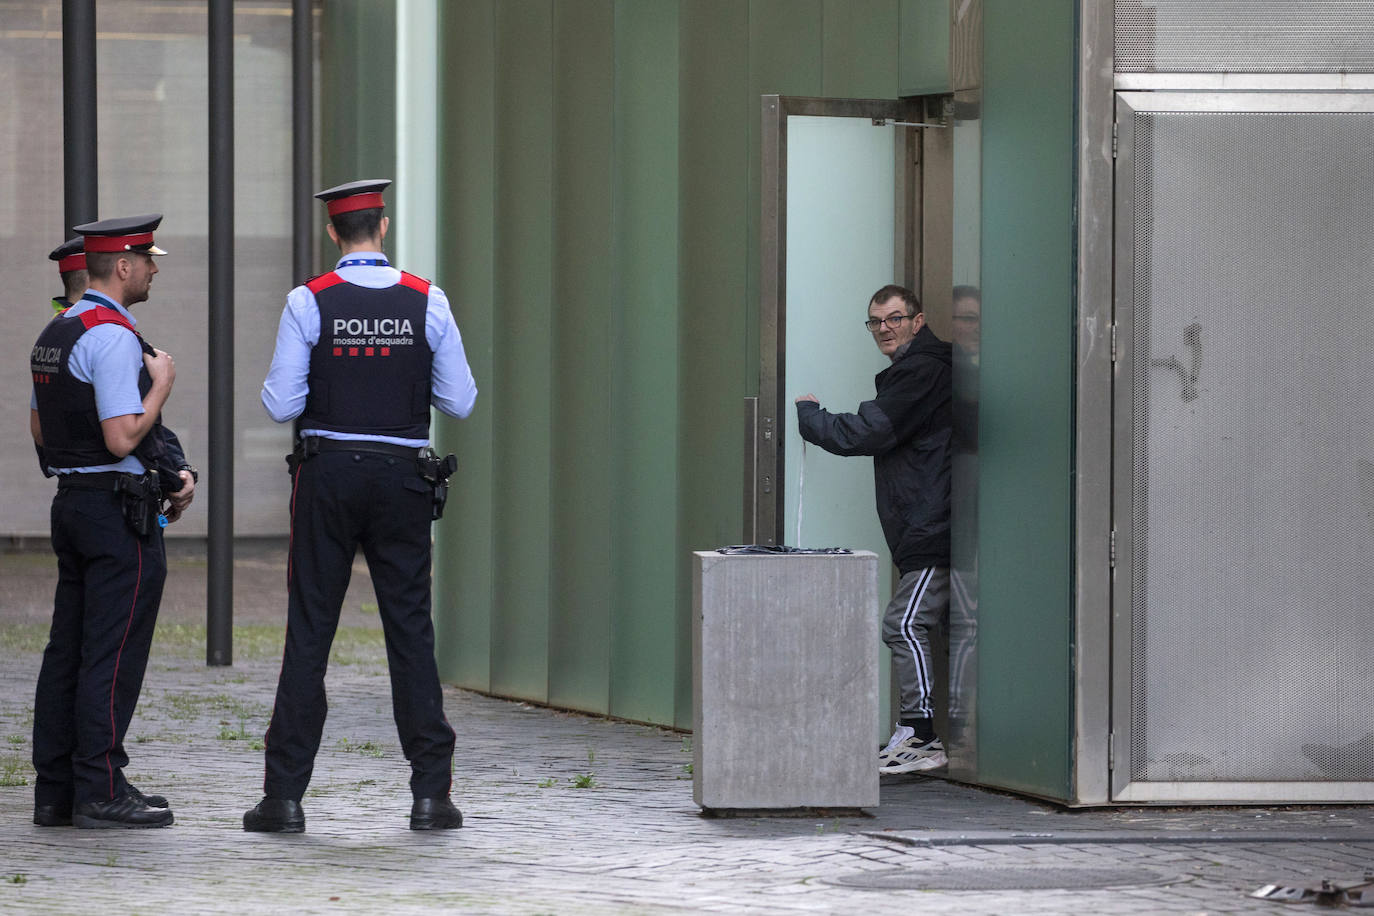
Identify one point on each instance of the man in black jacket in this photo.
(907, 430)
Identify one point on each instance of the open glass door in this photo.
(837, 207)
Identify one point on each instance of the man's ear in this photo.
(123, 267)
(333, 233)
(386, 221)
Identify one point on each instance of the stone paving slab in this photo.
(573, 814)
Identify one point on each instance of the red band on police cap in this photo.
(107, 243)
(71, 262)
(354, 202)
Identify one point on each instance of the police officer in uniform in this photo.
(362, 353)
(98, 391)
(71, 266)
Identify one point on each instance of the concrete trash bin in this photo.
(785, 680)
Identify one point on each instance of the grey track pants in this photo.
(921, 602)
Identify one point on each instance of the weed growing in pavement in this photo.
(367, 748)
(686, 744)
(14, 770)
(252, 642)
(21, 638)
(228, 734)
(17, 878)
(548, 783)
(16, 739)
(583, 781)
(111, 860)
(194, 705)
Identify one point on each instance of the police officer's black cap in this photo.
(355, 195)
(70, 255)
(125, 233)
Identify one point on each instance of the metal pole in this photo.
(79, 177)
(219, 600)
(302, 139)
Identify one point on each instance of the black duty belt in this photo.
(103, 480)
(320, 444)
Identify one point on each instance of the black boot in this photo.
(434, 814)
(125, 811)
(275, 815)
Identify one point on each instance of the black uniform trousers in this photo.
(109, 585)
(342, 500)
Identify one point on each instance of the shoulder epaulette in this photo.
(323, 281)
(419, 284)
(102, 315)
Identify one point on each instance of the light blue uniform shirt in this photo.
(453, 390)
(109, 358)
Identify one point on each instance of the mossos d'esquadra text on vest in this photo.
(385, 331)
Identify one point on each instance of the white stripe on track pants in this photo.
(921, 602)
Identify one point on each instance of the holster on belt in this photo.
(141, 500)
(301, 452)
(436, 471)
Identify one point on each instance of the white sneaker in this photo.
(902, 733)
(905, 754)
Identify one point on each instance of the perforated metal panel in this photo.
(1247, 36)
(1252, 530)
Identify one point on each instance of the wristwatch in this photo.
(195, 475)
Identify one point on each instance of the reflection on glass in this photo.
(966, 335)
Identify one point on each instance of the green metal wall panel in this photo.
(718, 336)
(859, 48)
(786, 44)
(582, 361)
(925, 47)
(522, 379)
(465, 549)
(358, 109)
(600, 177)
(644, 340)
(1026, 407)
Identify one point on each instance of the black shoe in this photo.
(275, 815)
(125, 811)
(434, 814)
(152, 801)
(52, 815)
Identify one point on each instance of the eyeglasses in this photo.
(894, 322)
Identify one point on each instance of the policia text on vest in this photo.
(363, 353)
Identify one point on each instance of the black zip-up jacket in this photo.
(907, 429)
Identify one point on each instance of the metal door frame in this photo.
(1123, 788)
(763, 490)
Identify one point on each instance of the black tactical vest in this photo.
(370, 369)
(72, 437)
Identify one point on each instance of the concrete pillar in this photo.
(785, 680)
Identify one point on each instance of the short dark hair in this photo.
(968, 292)
(913, 304)
(74, 283)
(101, 264)
(358, 225)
